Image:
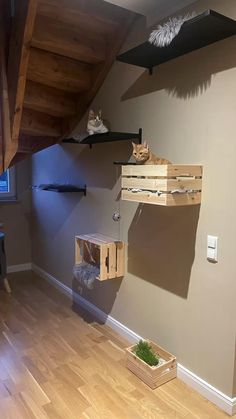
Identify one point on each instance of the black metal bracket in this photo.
(140, 135)
(150, 70)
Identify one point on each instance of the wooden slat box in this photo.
(103, 251)
(168, 185)
(153, 376)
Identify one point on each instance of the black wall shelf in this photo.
(124, 163)
(51, 187)
(107, 138)
(196, 33)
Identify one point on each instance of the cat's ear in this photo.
(100, 113)
(134, 145)
(145, 144)
(91, 114)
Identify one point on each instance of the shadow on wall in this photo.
(161, 246)
(103, 296)
(102, 173)
(45, 203)
(187, 76)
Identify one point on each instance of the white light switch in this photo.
(212, 248)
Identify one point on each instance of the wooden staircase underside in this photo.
(54, 56)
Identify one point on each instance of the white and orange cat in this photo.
(95, 123)
(143, 155)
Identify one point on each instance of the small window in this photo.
(8, 185)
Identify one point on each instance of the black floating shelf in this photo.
(107, 138)
(124, 163)
(51, 187)
(196, 33)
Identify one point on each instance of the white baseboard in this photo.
(211, 393)
(19, 268)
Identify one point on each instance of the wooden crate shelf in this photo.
(167, 185)
(152, 376)
(103, 251)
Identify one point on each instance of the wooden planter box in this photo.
(152, 376)
(103, 251)
(168, 185)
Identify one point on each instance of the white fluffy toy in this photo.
(164, 34)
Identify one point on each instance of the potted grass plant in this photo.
(151, 363)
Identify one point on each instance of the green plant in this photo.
(145, 352)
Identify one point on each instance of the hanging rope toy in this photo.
(164, 34)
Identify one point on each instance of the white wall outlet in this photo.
(212, 248)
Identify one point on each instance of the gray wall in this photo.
(170, 292)
(16, 218)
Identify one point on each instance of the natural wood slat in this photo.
(6, 143)
(59, 72)
(38, 123)
(68, 41)
(21, 35)
(165, 170)
(161, 184)
(49, 100)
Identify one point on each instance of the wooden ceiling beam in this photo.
(5, 125)
(38, 123)
(68, 41)
(21, 35)
(49, 100)
(59, 72)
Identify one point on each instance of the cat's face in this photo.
(141, 152)
(95, 119)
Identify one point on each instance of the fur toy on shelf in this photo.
(164, 34)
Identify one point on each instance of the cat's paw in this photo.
(91, 132)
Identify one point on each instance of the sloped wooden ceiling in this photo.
(55, 54)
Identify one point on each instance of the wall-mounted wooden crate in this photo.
(168, 185)
(153, 376)
(103, 251)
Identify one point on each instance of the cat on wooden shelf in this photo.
(95, 123)
(143, 155)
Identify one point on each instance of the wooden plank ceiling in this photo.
(55, 54)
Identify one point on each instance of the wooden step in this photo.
(30, 144)
(59, 72)
(85, 15)
(49, 100)
(38, 123)
(68, 41)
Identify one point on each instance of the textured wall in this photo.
(16, 217)
(170, 293)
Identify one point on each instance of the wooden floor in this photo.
(56, 364)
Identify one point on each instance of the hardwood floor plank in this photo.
(55, 364)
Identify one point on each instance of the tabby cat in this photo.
(143, 155)
(95, 123)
